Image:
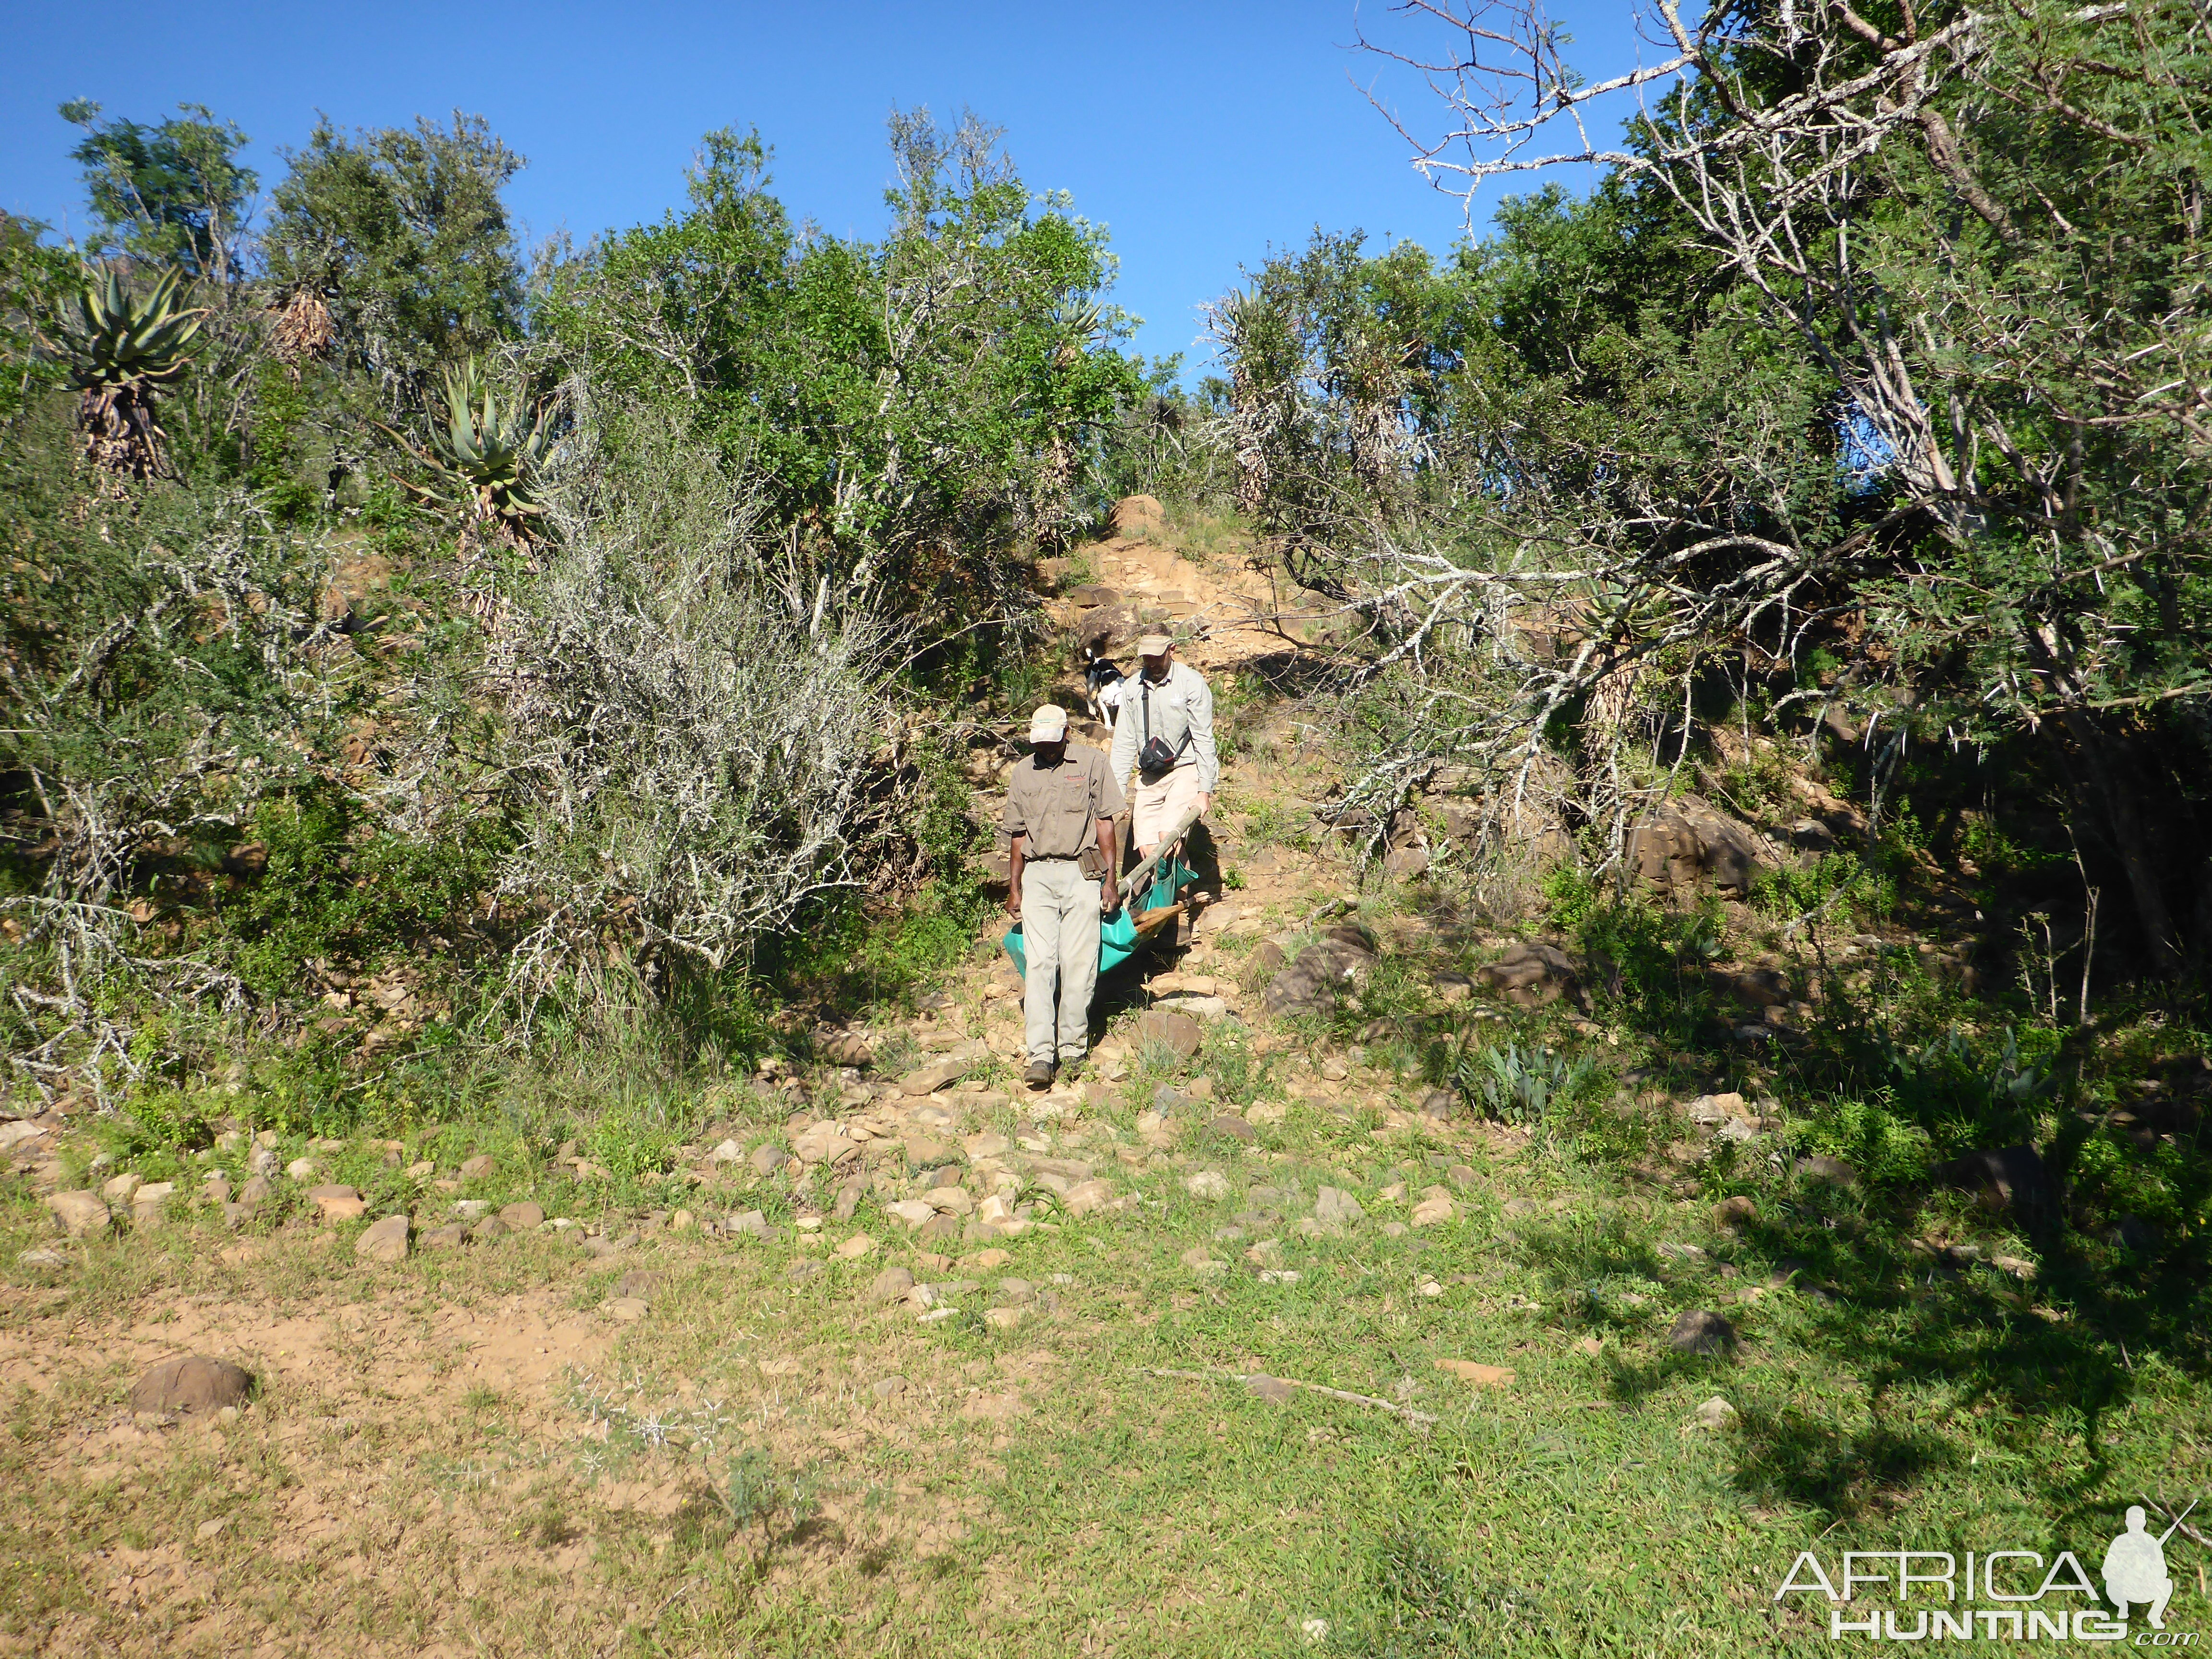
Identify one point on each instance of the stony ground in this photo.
(1247, 1342)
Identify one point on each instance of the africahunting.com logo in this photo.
(2000, 1594)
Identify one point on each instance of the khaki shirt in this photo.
(1058, 811)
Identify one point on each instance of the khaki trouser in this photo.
(1059, 940)
(1157, 804)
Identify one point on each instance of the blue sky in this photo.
(1201, 134)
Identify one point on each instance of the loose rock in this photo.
(1715, 1413)
(338, 1203)
(892, 1285)
(524, 1218)
(1202, 1262)
(1836, 1171)
(823, 1143)
(1334, 1207)
(384, 1241)
(1531, 973)
(944, 1073)
(476, 1168)
(1207, 1183)
(1312, 984)
(1474, 1371)
(1702, 1331)
(2011, 1178)
(1087, 1196)
(81, 1215)
(1180, 1034)
(768, 1159)
(191, 1382)
(1436, 1206)
(1734, 1212)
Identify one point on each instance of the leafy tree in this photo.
(33, 280)
(401, 237)
(171, 194)
(1813, 391)
(918, 402)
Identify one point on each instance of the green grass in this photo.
(1572, 1511)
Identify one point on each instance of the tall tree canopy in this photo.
(401, 234)
(171, 193)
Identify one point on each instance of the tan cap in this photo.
(1155, 644)
(1048, 724)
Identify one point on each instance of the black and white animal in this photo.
(1102, 685)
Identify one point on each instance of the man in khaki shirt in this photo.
(1061, 806)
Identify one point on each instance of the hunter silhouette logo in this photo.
(2135, 1568)
(1999, 1594)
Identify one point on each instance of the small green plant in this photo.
(1569, 895)
(546, 1522)
(755, 1495)
(483, 459)
(1518, 1086)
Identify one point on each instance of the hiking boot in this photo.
(1070, 1070)
(1039, 1075)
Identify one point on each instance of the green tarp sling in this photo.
(1117, 933)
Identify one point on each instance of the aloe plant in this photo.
(121, 349)
(482, 458)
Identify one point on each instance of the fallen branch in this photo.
(1248, 1379)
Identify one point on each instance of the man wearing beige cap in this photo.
(1165, 733)
(1061, 806)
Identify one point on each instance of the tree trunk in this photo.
(2121, 808)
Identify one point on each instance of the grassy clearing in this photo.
(723, 1475)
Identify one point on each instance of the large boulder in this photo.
(1138, 516)
(1688, 845)
(1342, 956)
(1534, 972)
